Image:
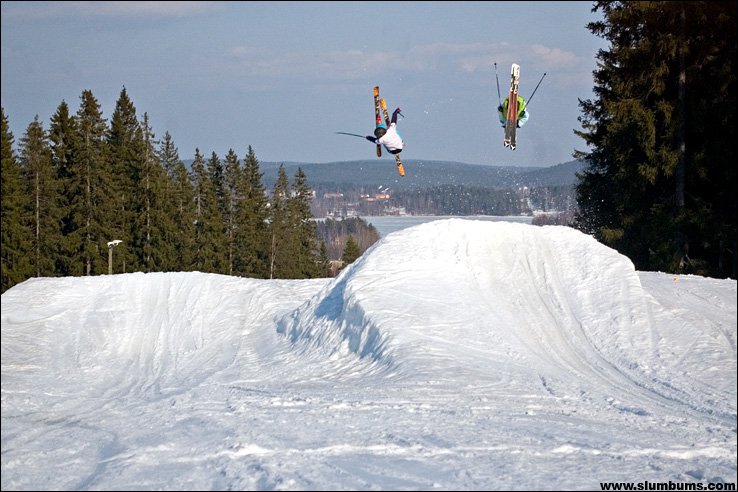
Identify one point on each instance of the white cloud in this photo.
(554, 56)
(352, 64)
(110, 9)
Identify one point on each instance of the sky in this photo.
(283, 77)
(452, 355)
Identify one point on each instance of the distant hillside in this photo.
(423, 174)
(558, 175)
(373, 187)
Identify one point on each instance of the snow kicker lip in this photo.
(335, 323)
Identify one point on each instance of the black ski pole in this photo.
(499, 101)
(534, 90)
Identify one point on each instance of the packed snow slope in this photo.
(456, 354)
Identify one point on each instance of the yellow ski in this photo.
(377, 118)
(400, 168)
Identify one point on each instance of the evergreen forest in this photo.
(660, 176)
(88, 197)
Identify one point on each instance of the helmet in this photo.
(380, 131)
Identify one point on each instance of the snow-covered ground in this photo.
(455, 354)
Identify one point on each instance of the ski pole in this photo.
(534, 90)
(499, 101)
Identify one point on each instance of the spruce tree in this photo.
(209, 243)
(253, 237)
(40, 177)
(62, 140)
(179, 205)
(17, 246)
(127, 158)
(304, 238)
(157, 225)
(90, 192)
(324, 263)
(183, 197)
(215, 173)
(281, 260)
(169, 155)
(351, 251)
(231, 182)
(657, 186)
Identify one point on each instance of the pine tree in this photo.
(655, 185)
(304, 238)
(215, 173)
(90, 192)
(351, 251)
(280, 258)
(183, 198)
(16, 246)
(158, 210)
(231, 182)
(209, 235)
(253, 237)
(63, 135)
(324, 263)
(169, 155)
(179, 205)
(127, 156)
(40, 176)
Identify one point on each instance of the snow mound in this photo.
(534, 308)
(524, 309)
(471, 286)
(457, 354)
(139, 335)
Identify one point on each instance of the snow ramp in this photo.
(523, 308)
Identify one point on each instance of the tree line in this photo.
(337, 234)
(448, 199)
(72, 189)
(660, 181)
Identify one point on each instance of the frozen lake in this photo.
(386, 224)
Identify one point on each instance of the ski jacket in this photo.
(523, 118)
(392, 140)
(521, 105)
(522, 113)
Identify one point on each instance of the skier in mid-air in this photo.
(522, 112)
(388, 137)
(385, 132)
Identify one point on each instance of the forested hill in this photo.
(423, 174)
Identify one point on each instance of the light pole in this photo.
(112, 244)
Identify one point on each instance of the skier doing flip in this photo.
(385, 132)
(388, 137)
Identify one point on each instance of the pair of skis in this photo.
(381, 105)
(511, 121)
